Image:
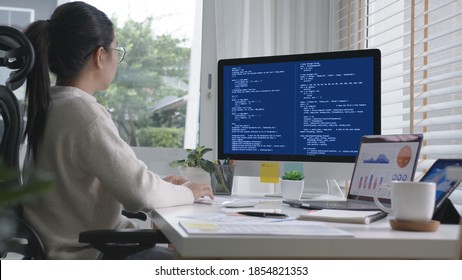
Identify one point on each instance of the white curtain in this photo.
(246, 28)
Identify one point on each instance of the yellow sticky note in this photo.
(202, 226)
(269, 172)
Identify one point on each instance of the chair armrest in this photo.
(121, 243)
(140, 215)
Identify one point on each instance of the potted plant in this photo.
(292, 184)
(195, 167)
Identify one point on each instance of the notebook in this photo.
(381, 159)
(342, 216)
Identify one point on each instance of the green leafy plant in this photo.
(10, 189)
(294, 175)
(13, 192)
(195, 158)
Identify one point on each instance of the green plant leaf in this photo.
(178, 163)
(12, 195)
(194, 158)
(204, 151)
(207, 165)
(295, 175)
(11, 191)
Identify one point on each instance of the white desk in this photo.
(376, 241)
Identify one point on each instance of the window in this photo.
(16, 17)
(148, 97)
(421, 49)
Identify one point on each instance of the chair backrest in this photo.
(12, 128)
(16, 54)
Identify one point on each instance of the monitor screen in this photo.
(304, 107)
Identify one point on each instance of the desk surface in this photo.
(375, 241)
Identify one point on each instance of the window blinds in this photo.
(421, 49)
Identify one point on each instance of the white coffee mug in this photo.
(410, 201)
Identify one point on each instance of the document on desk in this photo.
(295, 228)
(220, 200)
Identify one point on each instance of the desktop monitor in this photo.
(306, 107)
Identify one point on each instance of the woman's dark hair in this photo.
(62, 46)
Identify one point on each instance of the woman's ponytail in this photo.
(38, 84)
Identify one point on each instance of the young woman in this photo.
(72, 136)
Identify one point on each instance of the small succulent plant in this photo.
(294, 175)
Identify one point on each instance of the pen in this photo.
(264, 214)
(310, 207)
(302, 205)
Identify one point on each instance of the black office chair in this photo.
(17, 54)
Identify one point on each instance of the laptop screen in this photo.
(437, 174)
(381, 160)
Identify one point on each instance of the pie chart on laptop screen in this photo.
(404, 156)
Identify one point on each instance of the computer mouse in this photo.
(238, 203)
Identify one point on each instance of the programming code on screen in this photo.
(320, 107)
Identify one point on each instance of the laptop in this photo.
(381, 159)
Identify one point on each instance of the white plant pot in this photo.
(291, 189)
(196, 174)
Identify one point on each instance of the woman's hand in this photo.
(177, 180)
(199, 189)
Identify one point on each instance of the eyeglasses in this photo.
(120, 53)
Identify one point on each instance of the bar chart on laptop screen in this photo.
(380, 163)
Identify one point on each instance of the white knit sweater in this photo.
(96, 176)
